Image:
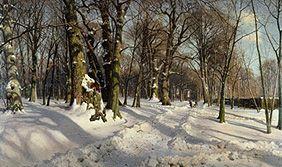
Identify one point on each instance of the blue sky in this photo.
(248, 44)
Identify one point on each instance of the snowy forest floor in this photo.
(152, 135)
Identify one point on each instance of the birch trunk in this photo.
(280, 93)
(280, 80)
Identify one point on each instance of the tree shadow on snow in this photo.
(120, 158)
(65, 125)
(247, 126)
(39, 124)
(166, 130)
(231, 135)
(246, 117)
(263, 156)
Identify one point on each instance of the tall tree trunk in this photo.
(181, 94)
(51, 89)
(23, 72)
(232, 96)
(222, 102)
(155, 86)
(108, 54)
(137, 95)
(58, 77)
(205, 90)
(165, 86)
(33, 93)
(25, 80)
(126, 91)
(280, 92)
(77, 58)
(280, 79)
(165, 92)
(203, 59)
(115, 78)
(127, 81)
(165, 74)
(232, 101)
(67, 68)
(46, 76)
(268, 125)
(211, 93)
(13, 88)
(170, 50)
(155, 81)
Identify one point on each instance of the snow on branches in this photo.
(89, 84)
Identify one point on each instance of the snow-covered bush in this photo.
(92, 96)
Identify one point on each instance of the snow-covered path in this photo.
(182, 136)
(37, 134)
(42, 131)
(148, 136)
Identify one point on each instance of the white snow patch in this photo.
(87, 80)
(152, 135)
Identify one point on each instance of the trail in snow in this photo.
(42, 131)
(37, 134)
(153, 135)
(180, 136)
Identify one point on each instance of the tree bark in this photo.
(268, 125)
(280, 93)
(108, 54)
(155, 81)
(46, 76)
(33, 93)
(95, 70)
(77, 58)
(127, 81)
(13, 88)
(51, 89)
(279, 66)
(165, 87)
(222, 102)
(137, 96)
(115, 78)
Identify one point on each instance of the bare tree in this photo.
(267, 114)
(229, 39)
(274, 9)
(176, 27)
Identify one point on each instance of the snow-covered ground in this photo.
(152, 135)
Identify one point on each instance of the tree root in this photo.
(99, 115)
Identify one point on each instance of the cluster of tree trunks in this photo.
(173, 49)
(112, 54)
